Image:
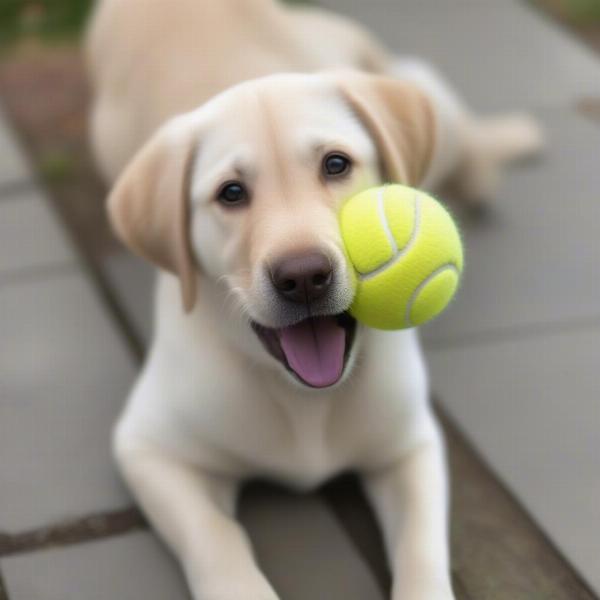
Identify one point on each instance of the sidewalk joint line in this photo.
(38, 273)
(75, 531)
(514, 333)
(3, 590)
(11, 191)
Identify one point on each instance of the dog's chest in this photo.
(311, 452)
(296, 443)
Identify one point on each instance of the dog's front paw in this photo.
(425, 595)
(236, 589)
(237, 594)
(423, 590)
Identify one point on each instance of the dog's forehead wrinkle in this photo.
(277, 155)
(299, 112)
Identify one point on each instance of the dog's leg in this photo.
(411, 502)
(193, 511)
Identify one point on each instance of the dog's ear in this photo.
(400, 119)
(149, 207)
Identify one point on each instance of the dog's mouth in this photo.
(315, 350)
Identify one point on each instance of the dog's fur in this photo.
(271, 90)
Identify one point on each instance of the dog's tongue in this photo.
(314, 349)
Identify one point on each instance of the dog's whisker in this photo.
(235, 301)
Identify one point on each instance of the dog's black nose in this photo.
(302, 278)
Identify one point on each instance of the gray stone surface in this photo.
(499, 55)
(531, 407)
(533, 260)
(303, 549)
(13, 166)
(132, 280)
(30, 235)
(64, 375)
(130, 567)
(298, 544)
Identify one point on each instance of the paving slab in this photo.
(298, 543)
(132, 280)
(129, 567)
(30, 235)
(531, 408)
(64, 375)
(13, 165)
(533, 259)
(303, 548)
(499, 55)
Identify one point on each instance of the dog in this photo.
(231, 132)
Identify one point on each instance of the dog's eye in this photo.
(335, 165)
(232, 194)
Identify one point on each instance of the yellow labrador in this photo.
(233, 130)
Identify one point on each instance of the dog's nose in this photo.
(302, 278)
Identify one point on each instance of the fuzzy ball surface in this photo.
(407, 256)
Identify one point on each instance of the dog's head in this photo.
(246, 190)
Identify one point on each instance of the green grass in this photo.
(582, 11)
(48, 19)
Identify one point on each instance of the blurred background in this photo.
(514, 362)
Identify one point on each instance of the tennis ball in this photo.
(406, 253)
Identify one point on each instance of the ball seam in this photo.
(422, 284)
(398, 253)
(384, 221)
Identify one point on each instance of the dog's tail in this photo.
(492, 144)
(508, 138)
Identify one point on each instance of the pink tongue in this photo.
(314, 349)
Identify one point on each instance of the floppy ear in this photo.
(401, 120)
(148, 206)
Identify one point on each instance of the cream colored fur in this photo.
(189, 93)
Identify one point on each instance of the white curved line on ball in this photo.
(384, 221)
(417, 290)
(398, 253)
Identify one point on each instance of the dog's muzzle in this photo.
(314, 347)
